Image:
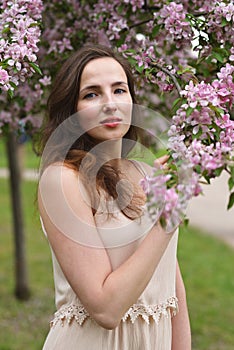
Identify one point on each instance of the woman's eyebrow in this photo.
(90, 87)
(119, 83)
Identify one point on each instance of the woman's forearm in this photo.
(124, 285)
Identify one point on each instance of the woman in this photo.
(117, 281)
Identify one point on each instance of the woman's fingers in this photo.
(161, 160)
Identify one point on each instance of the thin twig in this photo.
(140, 23)
(228, 171)
(203, 182)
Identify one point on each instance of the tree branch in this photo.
(147, 7)
(173, 77)
(197, 14)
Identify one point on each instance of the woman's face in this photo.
(105, 102)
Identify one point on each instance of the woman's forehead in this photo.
(103, 69)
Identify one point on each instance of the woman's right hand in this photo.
(161, 160)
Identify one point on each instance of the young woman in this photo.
(117, 282)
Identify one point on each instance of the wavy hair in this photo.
(61, 105)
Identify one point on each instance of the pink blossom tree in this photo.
(182, 53)
(19, 37)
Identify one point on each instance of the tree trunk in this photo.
(21, 276)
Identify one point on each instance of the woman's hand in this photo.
(161, 160)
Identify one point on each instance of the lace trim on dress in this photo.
(168, 308)
(69, 313)
(79, 314)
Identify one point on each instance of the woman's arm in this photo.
(181, 333)
(106, 294)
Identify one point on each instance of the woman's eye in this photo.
(119, 91)
(90, 95)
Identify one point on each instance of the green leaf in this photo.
(155, 30)
(13, 84)
(232, 172)
(218, 171)
(35, 67)
(230, 183)
(189, 111)
(139, 69)
(176, 102)
(186, 69)
(132, 60)
(120, 8)
(224, 22)
(197, 168)
(10, 93)
(231, 179)
(186, 222)
(6, 30)
(231, 201)
(206, 177)
(218, 56)
(218, 110)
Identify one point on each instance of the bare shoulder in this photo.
(59, 183)
(57, 171)
(64, 205)
(58, 177)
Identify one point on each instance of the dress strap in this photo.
(139, 166)
(43, 227)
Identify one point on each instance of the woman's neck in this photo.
(108, 150)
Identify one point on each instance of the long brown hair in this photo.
(62, 104)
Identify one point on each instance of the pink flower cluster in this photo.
(201, 144)
(202, 130)
(169, 203)
(218, 19)
(19, 37)
(173, 17)
(27, 117)
(148, 33)
(199, 6)
(136, 4)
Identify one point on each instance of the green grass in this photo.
(27, 157)
(23, 325)
(206, 264)
(207, 268)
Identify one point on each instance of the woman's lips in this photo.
(111, 122)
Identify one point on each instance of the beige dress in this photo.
(147, 323)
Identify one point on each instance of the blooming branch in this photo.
(19, 37)
(184, 47)
(200, 144)
(172, 76)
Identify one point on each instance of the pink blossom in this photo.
(20, 41)
(4, 77)
(45, 81)
(173, 17)
(136, 4)
(215, 18)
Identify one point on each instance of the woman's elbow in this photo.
(107, 320)
(104, 312)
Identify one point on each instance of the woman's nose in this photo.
(109, 107)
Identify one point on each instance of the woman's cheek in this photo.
(89, 117)
(127, 112)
